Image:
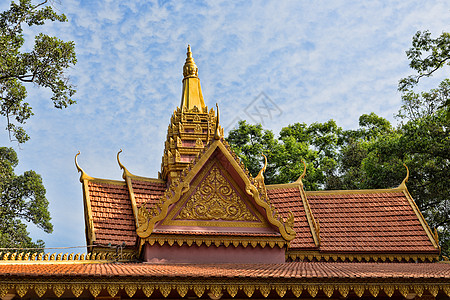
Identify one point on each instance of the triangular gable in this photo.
(216, 167)
(215, 199)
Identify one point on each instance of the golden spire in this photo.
(192, 92)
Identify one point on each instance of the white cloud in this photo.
(317, 60)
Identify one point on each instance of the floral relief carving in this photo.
(215, 199)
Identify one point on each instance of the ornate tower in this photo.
(191, 126)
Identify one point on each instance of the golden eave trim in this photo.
(303, 255)
(127, 176)
(216, 287)
(423, 222)
(253, 241)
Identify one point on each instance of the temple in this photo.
(206, 228)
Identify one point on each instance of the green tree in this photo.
(22, 198)
(43, 66)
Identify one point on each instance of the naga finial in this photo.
(403, 184)
(216, 131)
(260, 174)
(299, 180)
(80, 170)
(125, 171)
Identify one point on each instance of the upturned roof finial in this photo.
(190, 69)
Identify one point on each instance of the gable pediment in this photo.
(214, 194)
(215, 199)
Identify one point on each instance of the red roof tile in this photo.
(289, 199)
(147, 191)
(290, 271)
(368, 222)
(112, 213)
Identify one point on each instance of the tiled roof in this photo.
(112, 213)
(289, 199)
(368, 222)
(147, 191)
(289, 271)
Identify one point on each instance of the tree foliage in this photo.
(43, 66)
(22, 198)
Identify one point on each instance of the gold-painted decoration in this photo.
(77, 289)
(418, 289)
(95, 289)
(58, 289)
(328, 290)
(433, 289)
(21, 289)
(264, 290)
(359, 290)
(281, 290)
(445, 288)
(130, 289)
(148, 290)
(182, 289)
(374, 290)
(4, 289)
(343, 290)
(232, 290)
(297, 290)
(248, 290)
(215, 199)
(312, 290)
(199, 143)
(40, 289)
(199, 290)
(112, 289)
(165, 289)
(216, 290)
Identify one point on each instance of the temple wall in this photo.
(212, 254)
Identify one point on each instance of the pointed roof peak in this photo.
(190, 69)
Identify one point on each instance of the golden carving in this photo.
(445, 288)
(199, 290)
(199, 143)
(404, 290)
(264, 290)
(95, 289)
(328, 290)
(148, 290)
(77, 289)
(281, 290)
(359, 290)
(297, 290)
(40, 289)
(433, 289)
(182, 290)
(130, 289)
(249, 290)
(112, 289)
(21, 289)
(58, 289)
(215, 199)
(198, 129)
(418, 289)
(216, 290)
(4, 289)
(389, 290)
(232, 290)
(343, 290)
(165, 290)
(374, 290)
(313, 290)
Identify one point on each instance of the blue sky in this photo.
(310, 60)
